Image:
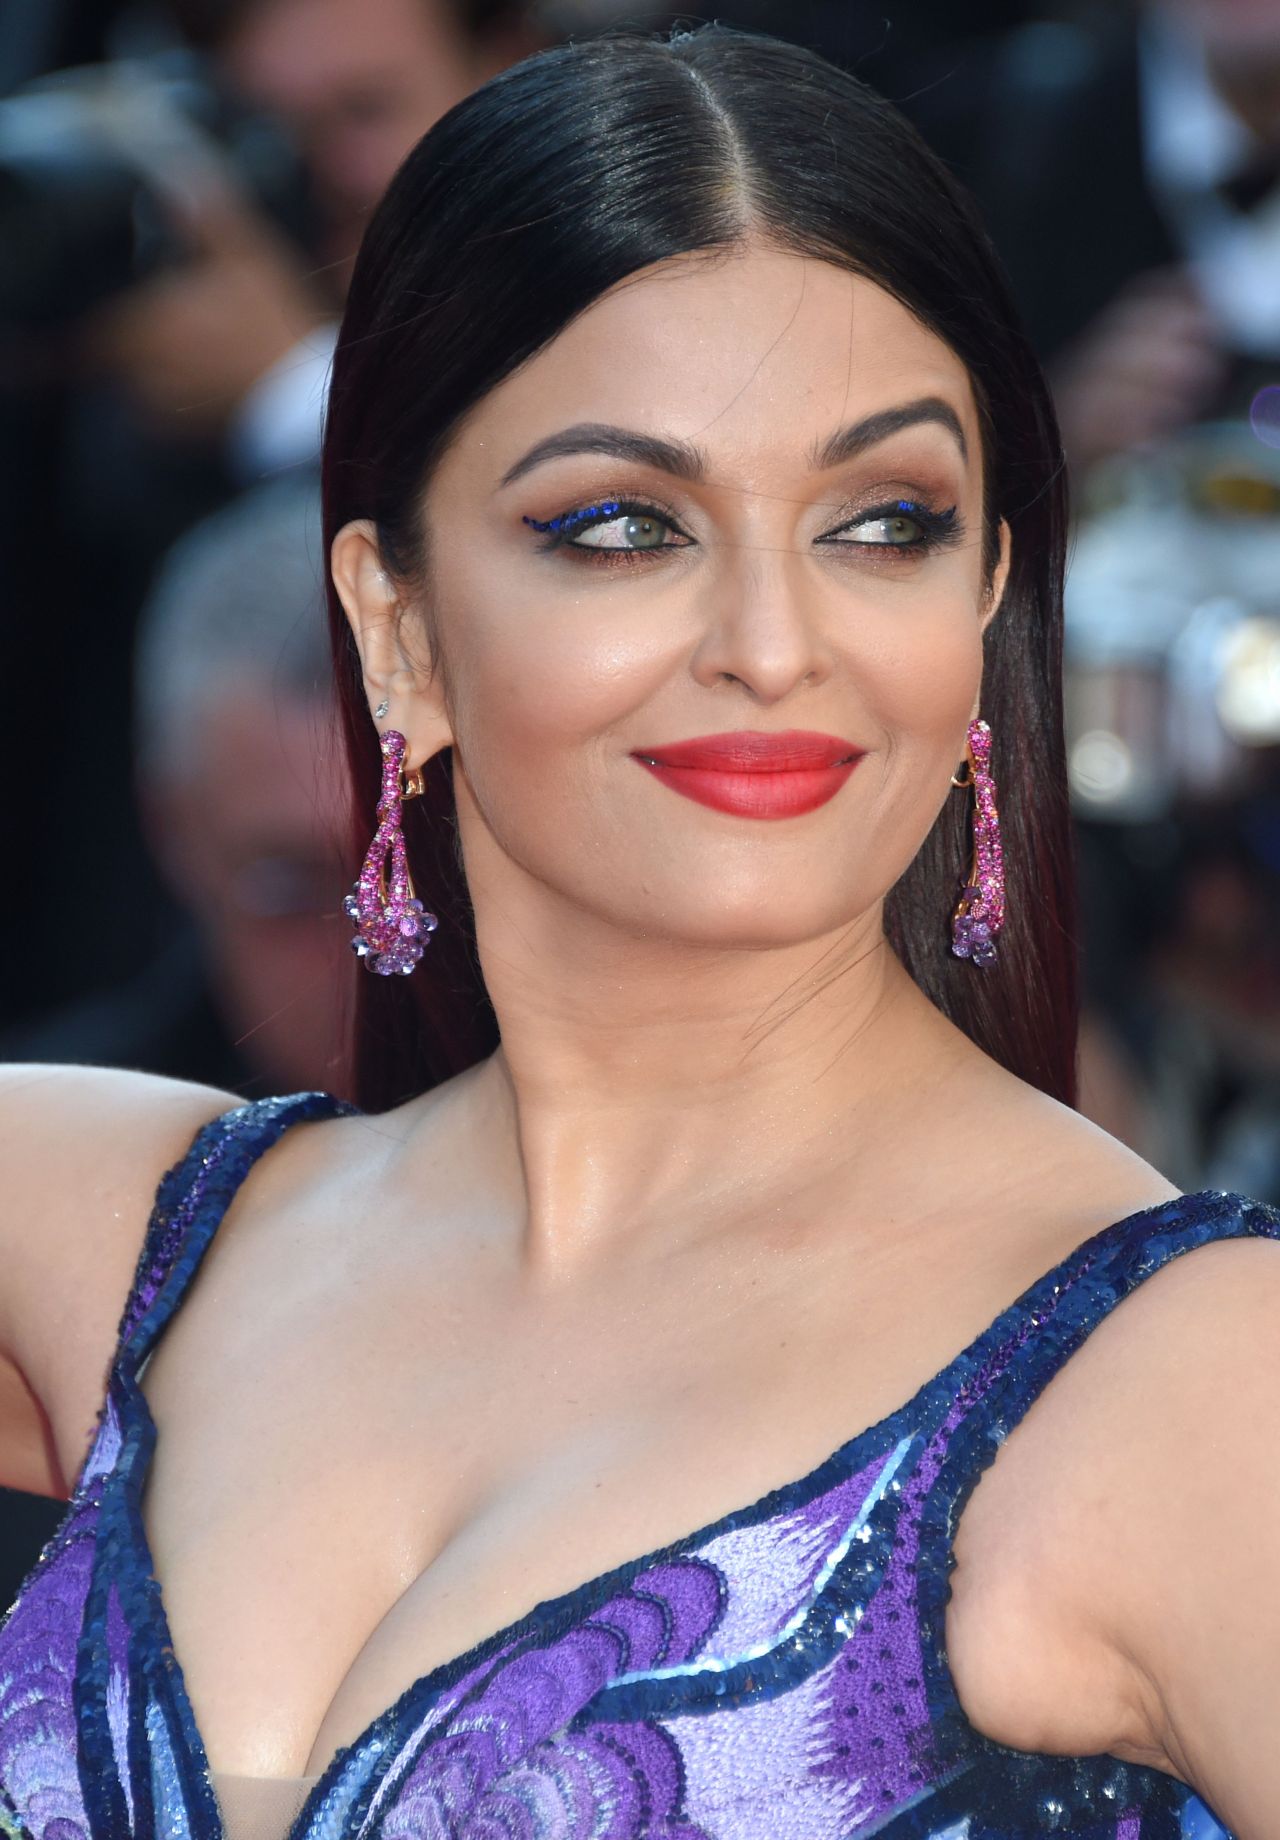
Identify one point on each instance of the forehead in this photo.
(294, 53)
(757, 354)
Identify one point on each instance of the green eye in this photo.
(896, 530)
(629, 530)
(900, 526)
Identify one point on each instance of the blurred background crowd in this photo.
(183, 185)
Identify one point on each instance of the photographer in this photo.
(237, 341)
(178, 232)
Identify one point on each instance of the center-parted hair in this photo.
(521, 206)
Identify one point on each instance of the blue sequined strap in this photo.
(1065, 1307)
(1015, 1363)
(191, 1201)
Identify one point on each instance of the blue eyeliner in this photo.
(909, 508)
(572, 518)
(937, 527)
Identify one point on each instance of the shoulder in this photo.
(1127, 1545)
(82, 1150)
(1058, 1176)
(1189, 1510)
(1192, 1353)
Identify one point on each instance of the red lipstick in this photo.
(755, 775)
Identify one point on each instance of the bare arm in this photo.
(81, 1152)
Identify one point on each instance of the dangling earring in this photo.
(392, 927)
(979, 913)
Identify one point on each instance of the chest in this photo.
(358, 1482)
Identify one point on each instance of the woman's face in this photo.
(799, 548)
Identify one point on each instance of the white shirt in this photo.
(279, 422)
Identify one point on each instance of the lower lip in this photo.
(785, 794)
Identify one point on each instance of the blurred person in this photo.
(358, 86)
(716, 1386)
(127, 426)
(1140, 223)
(239, 780)
(1140, 220)
(242, 799)
(238, 340)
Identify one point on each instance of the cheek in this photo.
(922, 674)
(919, 678)
(536, 710)
(541, 690)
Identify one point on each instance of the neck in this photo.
(657, 1088)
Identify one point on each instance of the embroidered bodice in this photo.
(778, 1675)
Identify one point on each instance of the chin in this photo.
(756, 924)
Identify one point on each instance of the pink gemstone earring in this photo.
(979, 913)
(392, 927)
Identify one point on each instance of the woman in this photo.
(692, 499)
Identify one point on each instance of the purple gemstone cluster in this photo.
(392, 926)
(970, 935)
(979, 912)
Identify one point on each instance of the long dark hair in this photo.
(556, 180)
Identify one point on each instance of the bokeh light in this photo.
(1264, 414)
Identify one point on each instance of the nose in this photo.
(762, 630)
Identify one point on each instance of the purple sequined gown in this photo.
(778, 1675)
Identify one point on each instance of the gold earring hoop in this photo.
(969, 765)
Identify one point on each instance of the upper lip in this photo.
(790, 750)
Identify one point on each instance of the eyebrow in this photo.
(684, 460)
(680, 458)
(848, 443)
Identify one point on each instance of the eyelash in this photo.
(585, 517)
(940, 529)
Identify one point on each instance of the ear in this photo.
(395, 656)
(993, 595)
(995, 588)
